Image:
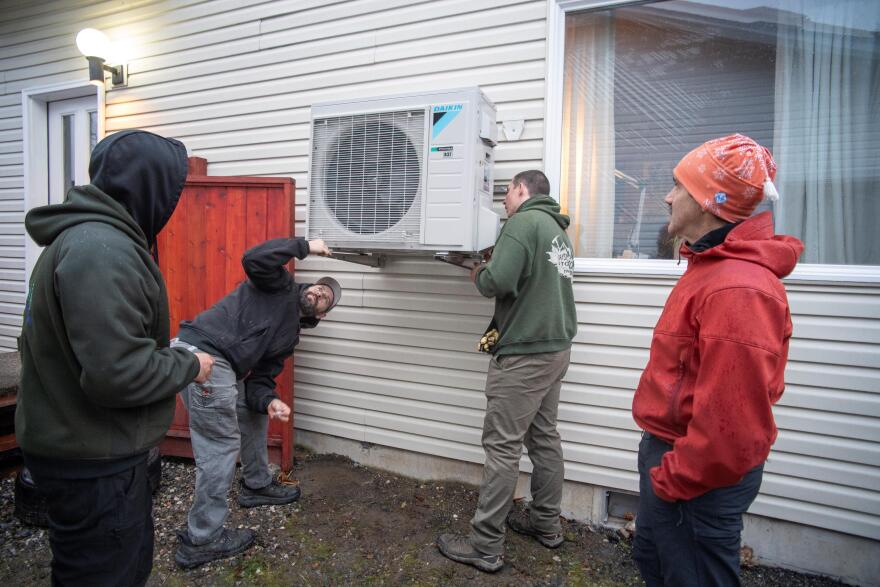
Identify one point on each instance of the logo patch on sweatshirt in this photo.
(560, 255)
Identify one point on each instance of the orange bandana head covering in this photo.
(728, 177)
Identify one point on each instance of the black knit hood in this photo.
(142, 171)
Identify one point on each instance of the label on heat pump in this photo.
(445, 152)
(446, 123)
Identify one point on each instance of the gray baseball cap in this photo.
(334, 287)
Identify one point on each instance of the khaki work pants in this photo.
(522, 393)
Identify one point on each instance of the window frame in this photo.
(557, 11)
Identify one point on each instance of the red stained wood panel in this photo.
(236, 208)
(215, 247)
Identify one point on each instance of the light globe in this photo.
(93, 43)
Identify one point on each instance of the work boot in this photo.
(459, 549)
(274, 493)
(520, 522)
(230, 543)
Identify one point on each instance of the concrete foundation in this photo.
(777, 543)
(851, 559)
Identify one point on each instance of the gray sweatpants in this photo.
(220, 424)
(522, 393)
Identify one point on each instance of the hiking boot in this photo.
(519, 521)
(230, 543)
(274, 493)
(459, 549)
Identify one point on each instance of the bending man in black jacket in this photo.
(249, 333)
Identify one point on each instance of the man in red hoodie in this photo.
(716, 367)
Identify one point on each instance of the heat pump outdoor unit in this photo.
(410, 173)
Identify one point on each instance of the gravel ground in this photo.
(354, 526)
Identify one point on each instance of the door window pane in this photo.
(93, 130)
(646, 84)
(67, 154)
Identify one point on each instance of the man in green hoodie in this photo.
(98, 380)
(530, 276)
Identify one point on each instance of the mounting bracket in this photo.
(466, 261)
(370, 259)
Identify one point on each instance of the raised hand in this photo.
(317, 247)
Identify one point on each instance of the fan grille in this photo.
(367, 174)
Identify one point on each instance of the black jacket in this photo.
(98, 379)
(256, 326)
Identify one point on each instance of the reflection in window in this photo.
(93, 130)
(67, 154)
(646, 84)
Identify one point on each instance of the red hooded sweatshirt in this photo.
(717, 360)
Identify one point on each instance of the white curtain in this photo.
(587, 190)
(827, 128)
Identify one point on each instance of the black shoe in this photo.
(274, 493)
(459, 549)
(518, 521)
(230, 543)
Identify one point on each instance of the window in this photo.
(645, 84)
(68, 147)
(93, 130)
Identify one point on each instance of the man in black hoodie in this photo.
(250, 333)
(98, 376)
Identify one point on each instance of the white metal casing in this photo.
(411, 173)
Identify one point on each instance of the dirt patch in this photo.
(354, 526)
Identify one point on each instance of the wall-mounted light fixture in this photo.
(95, 46)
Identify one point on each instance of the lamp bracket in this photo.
(97, 67)
(119, 75)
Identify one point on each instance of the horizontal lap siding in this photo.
(12, 281)
(395, 364)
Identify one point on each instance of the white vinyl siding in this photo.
(395, 363)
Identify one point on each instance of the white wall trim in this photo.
(804, 273)
(556, 13)
(35, 145)
(553, 95)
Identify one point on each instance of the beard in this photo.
(307, 304)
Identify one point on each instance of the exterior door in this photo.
(73, 132)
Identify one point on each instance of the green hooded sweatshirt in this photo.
(530, 277)
(98, 380)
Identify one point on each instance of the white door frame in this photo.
(35, 145)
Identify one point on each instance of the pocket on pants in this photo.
(133, 504)
(72, 503)
(723, 529)
(212, 411)
(717, 515)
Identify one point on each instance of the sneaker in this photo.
(274, 493)
(519, 521)
(230, 543)
(459, 549)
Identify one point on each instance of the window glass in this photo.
(67, 146)
(93, 130)
(645, 84)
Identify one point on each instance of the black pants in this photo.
(694, 542)
(100, 529)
